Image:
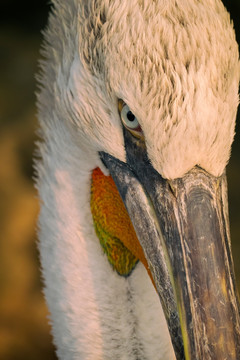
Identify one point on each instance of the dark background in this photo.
(24, 332)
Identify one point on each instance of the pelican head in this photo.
(147, 91)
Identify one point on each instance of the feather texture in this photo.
(175, 63)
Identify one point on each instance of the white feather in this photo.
(96, 313)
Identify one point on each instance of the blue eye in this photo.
(130, 121)
(128, 118)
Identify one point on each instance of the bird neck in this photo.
(89, 303)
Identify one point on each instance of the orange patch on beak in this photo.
(110, 214)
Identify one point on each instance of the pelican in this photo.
(137, 111)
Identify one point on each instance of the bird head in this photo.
(150, 89)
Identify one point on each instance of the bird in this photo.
(137, 104)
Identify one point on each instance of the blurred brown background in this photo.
(24, 332)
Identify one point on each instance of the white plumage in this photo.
(175, 63)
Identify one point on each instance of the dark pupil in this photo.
(130, 116)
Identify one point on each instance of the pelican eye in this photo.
(129, 120)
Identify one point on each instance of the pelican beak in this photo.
(183, 229)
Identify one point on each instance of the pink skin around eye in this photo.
(137, 129)
(137, 132)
